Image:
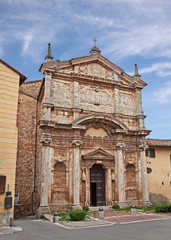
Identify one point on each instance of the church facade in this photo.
(92, 135)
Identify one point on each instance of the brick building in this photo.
(85, 136)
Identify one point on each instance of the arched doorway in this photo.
(97, 185)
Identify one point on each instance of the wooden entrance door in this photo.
(97, 185)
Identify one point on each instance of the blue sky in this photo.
(128, 32)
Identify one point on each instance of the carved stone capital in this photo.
(120, 146)
(77, 143)
(46, 139)
(142, 147)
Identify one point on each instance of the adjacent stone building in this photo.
(10, 79)
(158, 160)
(89, 136)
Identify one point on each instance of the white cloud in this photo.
(163, 95)
(123, 27)
(27, 40)
(162, 69)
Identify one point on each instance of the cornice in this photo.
(93, 79)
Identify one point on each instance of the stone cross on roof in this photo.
(95, 40)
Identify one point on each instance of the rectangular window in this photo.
(152, 152)
(146, 152)
(2, 184)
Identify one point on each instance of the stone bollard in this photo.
(101, 213)
(133, 210)
(55, 217)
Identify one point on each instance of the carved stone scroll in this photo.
(46, 139)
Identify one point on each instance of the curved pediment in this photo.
(98, 154)
(96, 121)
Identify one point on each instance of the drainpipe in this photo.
(35, 162)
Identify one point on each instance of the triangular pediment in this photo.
(94, 66)
(98, 154)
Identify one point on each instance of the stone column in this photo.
(120, 169)
(109, 186)
(76, 173)
(45, 171)
(143, 173)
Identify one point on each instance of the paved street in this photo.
(45, 230)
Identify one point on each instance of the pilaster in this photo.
(116, 100)
(143, 172)
(139, 111)
(109, 187)
(48, 77)
(76, 95)
(76, 172)
(45, 171)
(120, 169)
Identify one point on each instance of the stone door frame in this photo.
(103, 183)
(107, 161)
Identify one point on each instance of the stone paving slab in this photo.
(85, 224)
(108, 221)
(9, 230)
(137, 218)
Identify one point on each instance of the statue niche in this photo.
(59, 183)
(130, 182)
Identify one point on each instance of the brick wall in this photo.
(27, 149)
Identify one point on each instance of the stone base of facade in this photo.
(43, 210)
(76, 207)
(146, 203)
(122, 204)
(6, 220)
(61, 207)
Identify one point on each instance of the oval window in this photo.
(149, 170)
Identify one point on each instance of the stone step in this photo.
(97, 208)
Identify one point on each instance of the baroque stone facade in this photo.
(92, 135)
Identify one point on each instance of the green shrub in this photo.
(77, 215)
(64, 216)
(86, 208)
(164, 208)
(116, 206)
